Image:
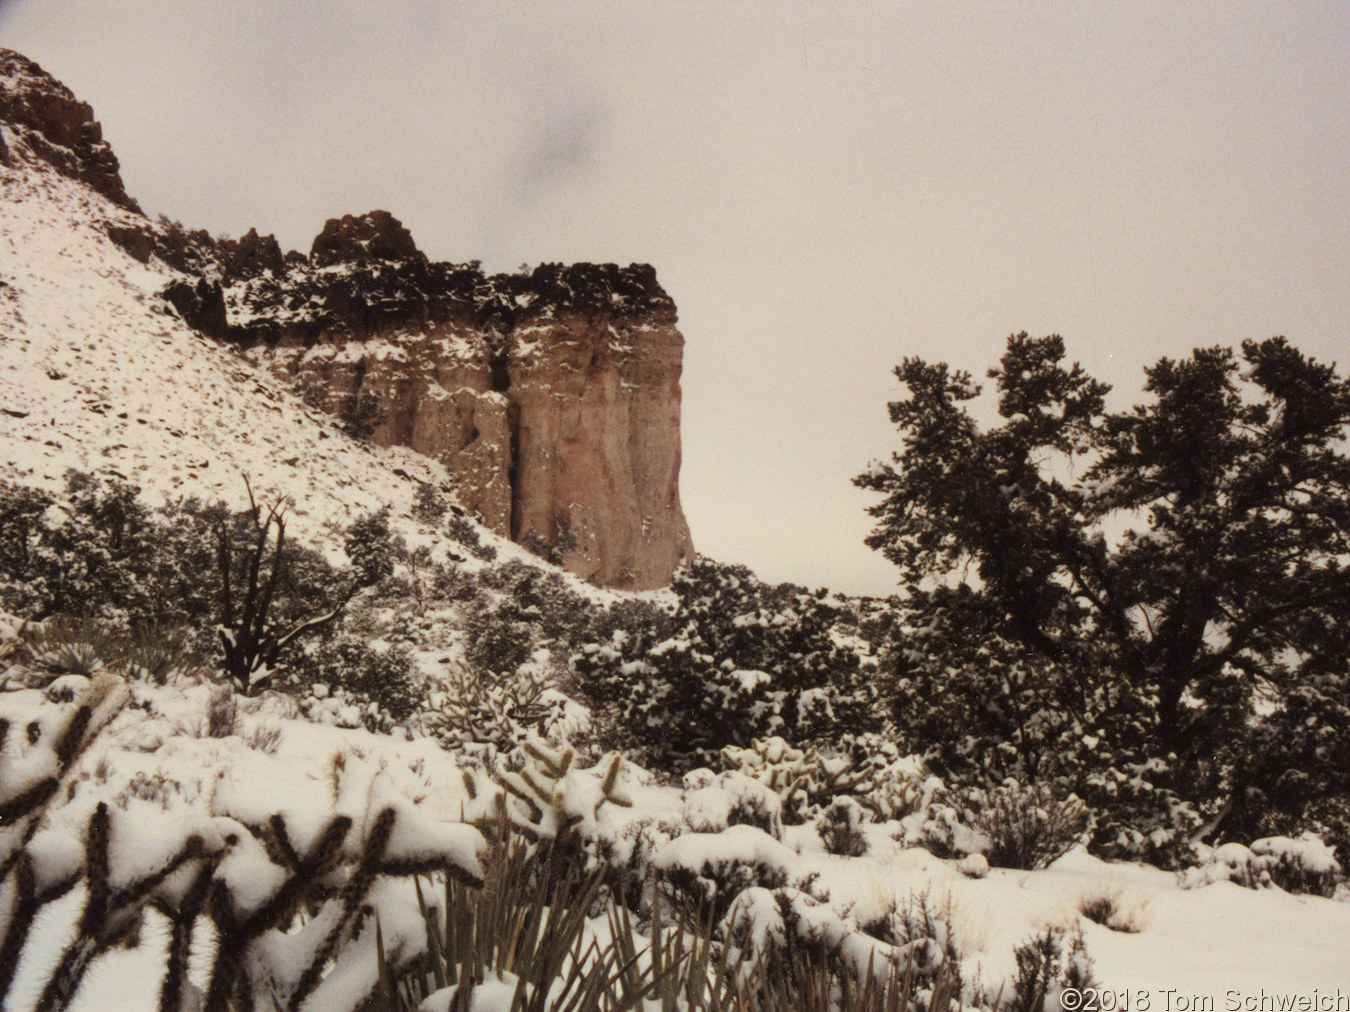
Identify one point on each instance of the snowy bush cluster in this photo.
(784, 712)
(735, 660)
(1304, 865)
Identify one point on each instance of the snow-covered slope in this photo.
(97, 374)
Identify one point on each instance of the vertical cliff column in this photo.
(598, 443)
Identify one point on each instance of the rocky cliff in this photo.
(552, 397)
(57, 128)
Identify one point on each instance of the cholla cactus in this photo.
(558, 797)
(808, 779)
(485, 708)
(803, 779)
(250, 869)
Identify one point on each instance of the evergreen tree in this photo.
(737, 660)
(1138, 602)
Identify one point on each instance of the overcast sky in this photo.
(823, 188)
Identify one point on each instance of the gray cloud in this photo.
(563, 147)
(7, 7)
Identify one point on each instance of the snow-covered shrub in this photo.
(89, 552)
(983, 707)
(737, 660)
(552, 551)
(1298, 777)
(941, 830)
(541, 599)
(499, 635)
(1047, 965)
(464, 531)
(222, 712)
(361, 414)
(840, 828)
(707, 871)
(371, 547)
(254, 559)
(922, 928)
(712, 802)
(11, 635)
(363, 673)
(1025, 826)
(1303, 865)
(159, 654)
(1106, 907)
(537, 916)
(428, 506)
(814, 959)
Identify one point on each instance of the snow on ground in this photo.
(1217, 941)
(1205, 941)
(108, 379)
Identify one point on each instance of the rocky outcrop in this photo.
(361, 239)
(552, 397)
(41, 113)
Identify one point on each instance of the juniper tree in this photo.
(1141, 602)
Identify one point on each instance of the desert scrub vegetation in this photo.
(288, 897)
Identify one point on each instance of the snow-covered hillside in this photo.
(99, 375)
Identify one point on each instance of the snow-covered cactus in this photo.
(485, 708)
(36, 762)
(808, 779)
(802, 778)
(557, 797)
(288, 890)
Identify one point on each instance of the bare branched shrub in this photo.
(1025, 827)
(264, 738)
(1107, 908)
(840, 828)
(1047, 965)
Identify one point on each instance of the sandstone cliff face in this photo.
(552, 398)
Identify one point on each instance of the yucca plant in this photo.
(814, 981)
(66, 645)
(526, 929)
(158, 653)
(686, 969)
(528, 923)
